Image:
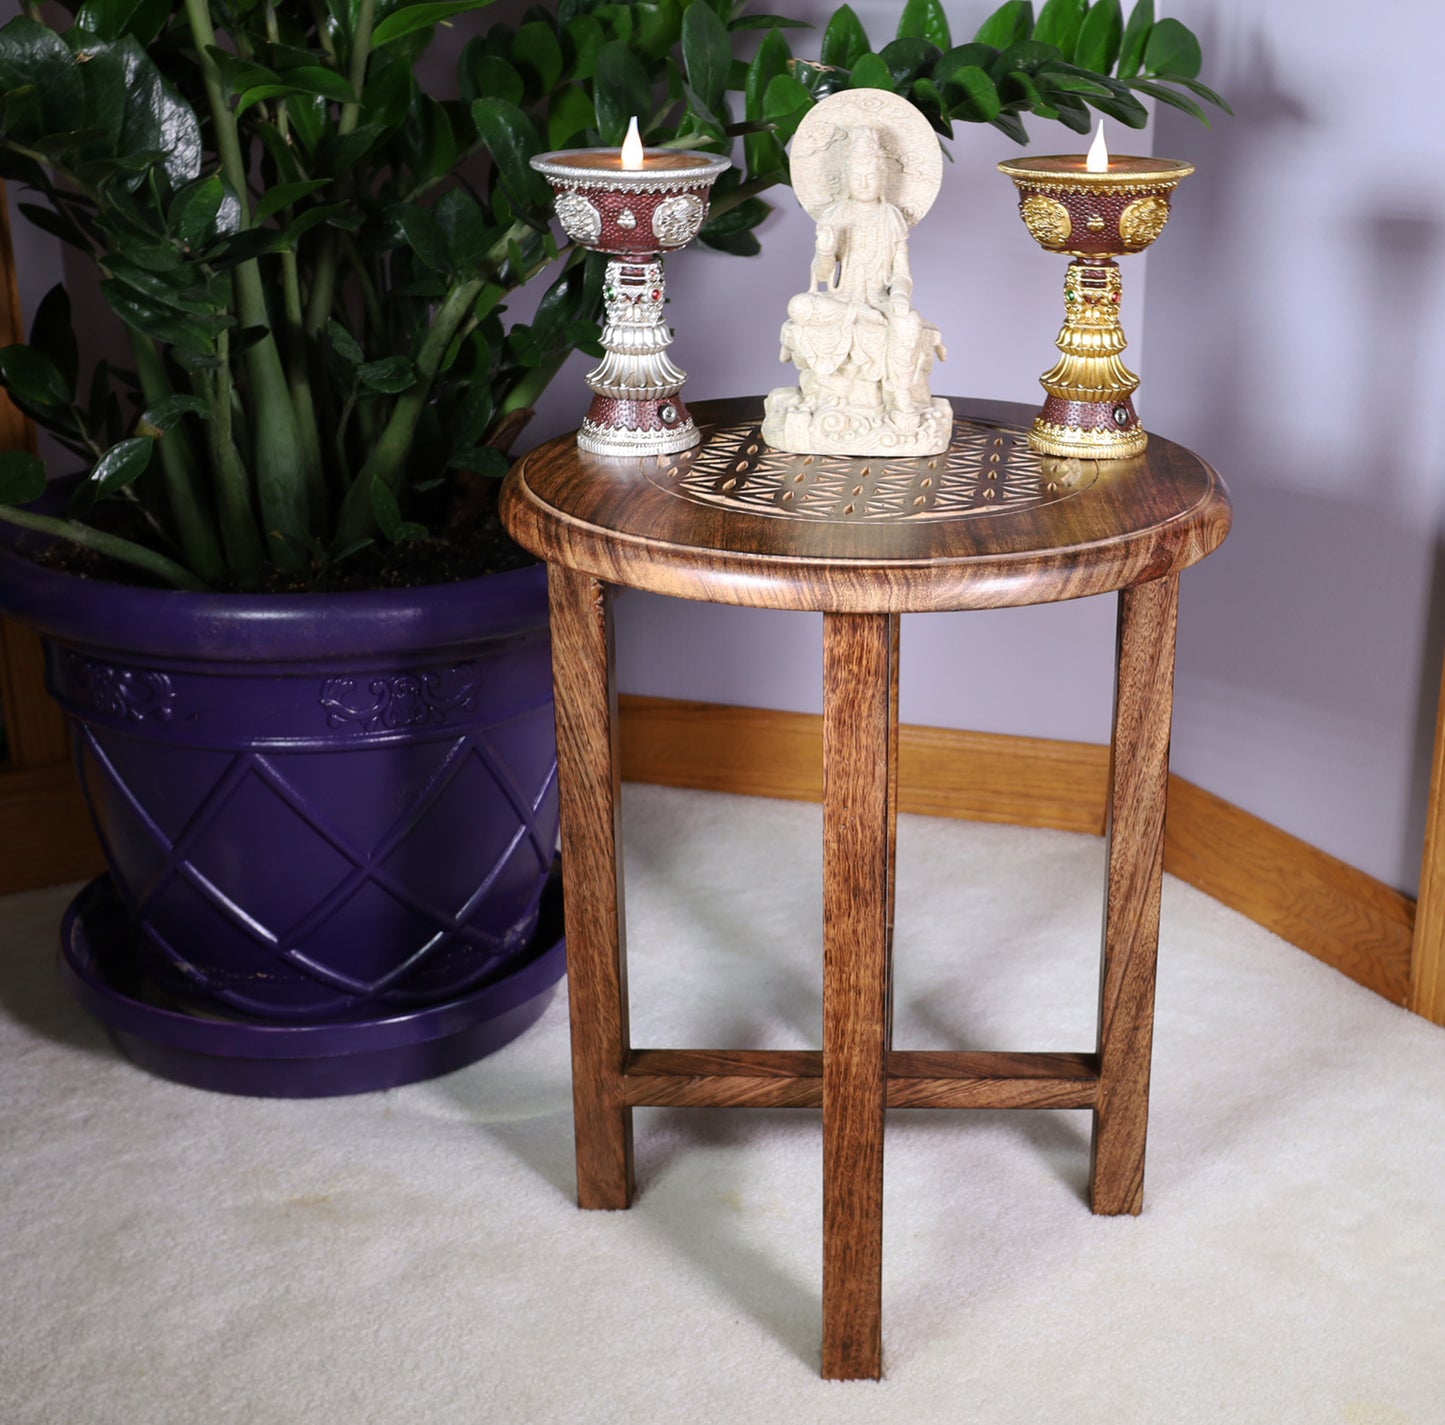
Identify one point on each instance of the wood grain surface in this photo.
(859, 728)
(1427, 968)
(589, 779)
(1138, 792)
(625, 521)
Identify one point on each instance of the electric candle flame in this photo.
(632, 146)
(1098, 159)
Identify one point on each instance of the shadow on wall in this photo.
(1294, 319)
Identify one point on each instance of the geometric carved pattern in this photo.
(987, 468)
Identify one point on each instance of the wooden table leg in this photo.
(1139, 781)
(859, 810)
(589, 783)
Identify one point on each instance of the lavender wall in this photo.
(1300, 290)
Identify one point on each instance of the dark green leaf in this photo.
(327, 83)
(971, 95)
(283, 195)
(238, 74)
(195, 335)
(56, 224)
(742, 244)
(706, 55)
(424, 234)
(34, 59)
(410, 18)
(385, 510)
(344, 344)
(33, 378)
(105, 18)
(1136, 36)
(785, 104)
(157, 118)
(512, 140)
(52, 333)
(1059, 23)
(1172, 49)
(465, 225)
(845, 41)
(1170, 97)
(570, 116)
(195, 208)
(1100, 37)
(120, 465)
(979, 56)
(1011, 22)
(1027, 55)
(170, 411)
(871, 72)
(536, 49)
(768, 22)
(485, 461)
(1011, 125)
(586, 37)
(1123, 107)
(1203, 90)
(1019, 87)
(471, 416)
(390, 376)
(741, 217)
(659, 28)
(620, 90)
(22, 477)
(489, 75)
(925, 20)
(906, 57)
(353, 147)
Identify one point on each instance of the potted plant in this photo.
(322, 774)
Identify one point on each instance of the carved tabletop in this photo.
(987, 524)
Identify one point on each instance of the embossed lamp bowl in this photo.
(633, 214)
(656, 208)
(1068, 209)
(1092, 216)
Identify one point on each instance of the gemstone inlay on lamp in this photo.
(633, 204)
(1094, 208)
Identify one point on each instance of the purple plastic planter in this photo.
(313, 806)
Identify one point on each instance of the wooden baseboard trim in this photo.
(45, 829)
(1338, 914)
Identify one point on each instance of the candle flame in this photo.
(632, 146)
(1098, 159)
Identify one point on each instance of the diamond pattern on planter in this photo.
(258, 872)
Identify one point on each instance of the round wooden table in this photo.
(987, 524)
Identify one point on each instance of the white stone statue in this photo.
(866, 166)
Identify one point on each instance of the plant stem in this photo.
(318, 307)
(244, 550)
(185, 493)
(113, 546)
(387, 460)
(283, 480)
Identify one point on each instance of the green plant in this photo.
(312, 255)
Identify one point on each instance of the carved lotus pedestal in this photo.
(330, 822)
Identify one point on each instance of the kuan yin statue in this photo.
(866, 166)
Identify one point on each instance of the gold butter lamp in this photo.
(1093, 208)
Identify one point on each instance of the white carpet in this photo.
(168, 1255)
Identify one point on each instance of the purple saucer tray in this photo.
(349, 1054)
